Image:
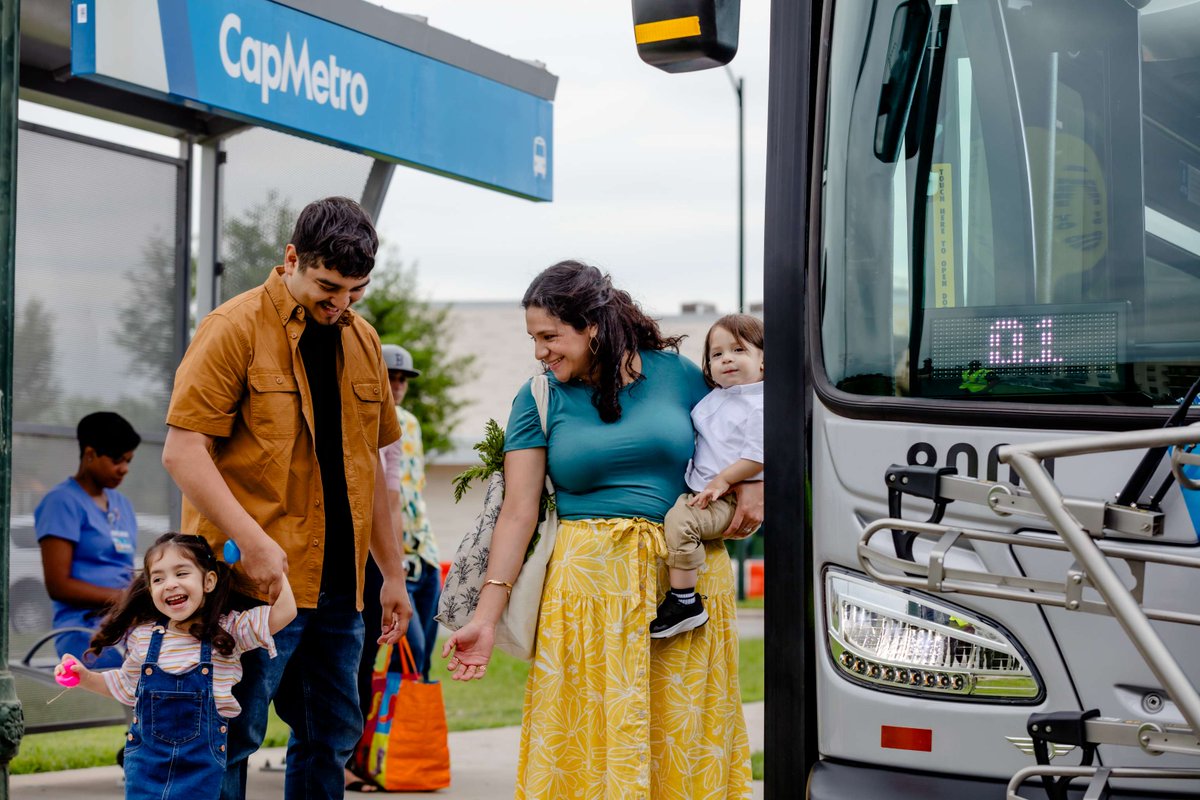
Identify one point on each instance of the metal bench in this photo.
(33, 677)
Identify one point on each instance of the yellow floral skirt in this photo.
(611, 714)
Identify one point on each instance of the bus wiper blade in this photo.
(1146, 468)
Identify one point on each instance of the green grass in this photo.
(49, 752)
(756, 765)
(750, 670)
(494, 703)
(484, 704)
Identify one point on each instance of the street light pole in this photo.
(743, 545)
(738, 85)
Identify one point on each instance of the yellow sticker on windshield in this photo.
(666, 29)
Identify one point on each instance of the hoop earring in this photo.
(594, 346)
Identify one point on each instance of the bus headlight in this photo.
(903, 641)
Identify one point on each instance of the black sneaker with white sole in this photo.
(676, 617)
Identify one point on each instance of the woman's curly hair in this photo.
(135, 606)
(581, 296)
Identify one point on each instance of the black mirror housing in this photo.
(686, 35)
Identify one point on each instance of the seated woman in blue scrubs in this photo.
(88, 533)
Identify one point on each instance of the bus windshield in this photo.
(1012, 200)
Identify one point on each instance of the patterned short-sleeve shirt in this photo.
(404, 469)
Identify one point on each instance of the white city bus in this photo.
(982, 233)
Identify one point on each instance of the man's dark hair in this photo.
(108, 433)
(336, 233)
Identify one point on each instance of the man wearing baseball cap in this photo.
(404, 470)
(404, 473)
(400, 367)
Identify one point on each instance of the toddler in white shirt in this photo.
(729, 450)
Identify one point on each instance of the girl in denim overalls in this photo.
(183, 651)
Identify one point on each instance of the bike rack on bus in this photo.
(1085, 529)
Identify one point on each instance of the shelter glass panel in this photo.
(97, 327)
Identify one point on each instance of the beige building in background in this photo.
(495, 333)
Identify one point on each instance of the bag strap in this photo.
(383, 660)
(540, 386)
(541, 396)
(408, 664)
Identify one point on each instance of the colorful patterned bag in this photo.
(404, 746)
(516, 631)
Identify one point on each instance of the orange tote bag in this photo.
(404, 745)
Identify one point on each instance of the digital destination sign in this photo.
(1053, 340)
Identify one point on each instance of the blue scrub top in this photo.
(633, 467)
(104, 542)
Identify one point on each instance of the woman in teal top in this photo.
(645, 452)
(610, 713)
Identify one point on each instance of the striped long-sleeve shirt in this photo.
(181, 651)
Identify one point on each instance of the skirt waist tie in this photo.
(651, 548)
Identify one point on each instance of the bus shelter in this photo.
(110, 254)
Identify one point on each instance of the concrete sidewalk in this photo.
(483, 766)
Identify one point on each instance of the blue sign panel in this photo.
(284, 69)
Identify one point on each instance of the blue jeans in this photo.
(312, 681)
(422, 631)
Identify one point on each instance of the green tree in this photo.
(148, 324)
(35, 386)
(254, 243)
(394, 306)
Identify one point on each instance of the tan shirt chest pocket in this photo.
(370, 397)
(274, 404)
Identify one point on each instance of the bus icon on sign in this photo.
(539, 156)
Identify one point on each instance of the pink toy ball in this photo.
(67, 678)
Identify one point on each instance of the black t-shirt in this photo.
(319, 348)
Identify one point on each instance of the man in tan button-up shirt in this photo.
(279, 410)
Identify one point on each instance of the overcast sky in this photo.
(645, 164)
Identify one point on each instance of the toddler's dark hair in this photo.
(136, 606)
(744, 328)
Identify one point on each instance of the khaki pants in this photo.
(687, 526)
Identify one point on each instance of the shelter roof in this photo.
(46, 65)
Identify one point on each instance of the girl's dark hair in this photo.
(581, 295)
(136, 607)
(744, 328)
(336, 232)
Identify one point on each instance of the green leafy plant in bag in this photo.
(491, 461)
